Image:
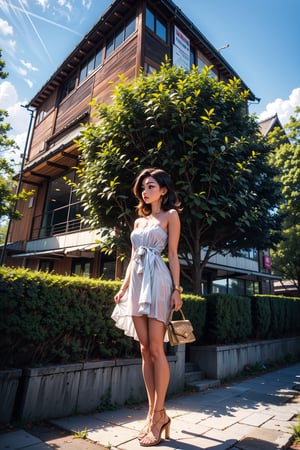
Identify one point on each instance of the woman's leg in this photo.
(156, 332)
(141, 326)
(161, 372)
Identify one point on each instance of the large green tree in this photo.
(196, 128)
(286, 158)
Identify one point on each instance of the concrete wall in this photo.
(58, 391)
(220, 361)
(9, 383)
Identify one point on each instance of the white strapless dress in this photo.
(150, 287)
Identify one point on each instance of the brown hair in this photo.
(170, 199)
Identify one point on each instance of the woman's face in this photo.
(151, 190)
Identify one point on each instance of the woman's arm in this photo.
(173, 240)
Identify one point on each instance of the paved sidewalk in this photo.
(254, 414)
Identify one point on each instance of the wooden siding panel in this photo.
(155, 49)
(42, 132)
(123, 61)
(21, 229)
(75, 104)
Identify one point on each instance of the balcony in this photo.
(61, 220)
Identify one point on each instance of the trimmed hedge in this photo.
(47, 318)
(234, 319)
(229, 319)
(275, 317)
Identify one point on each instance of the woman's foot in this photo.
(160, 422)
(145, 430)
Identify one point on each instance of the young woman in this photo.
(150, 290)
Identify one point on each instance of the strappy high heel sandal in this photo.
(152, 438)
(145, 430)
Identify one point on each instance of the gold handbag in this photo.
(180, 331)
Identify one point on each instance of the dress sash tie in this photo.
(145, 257)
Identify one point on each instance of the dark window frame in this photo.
(124, 30)
(90, 64)
(158, 24)
(68, 86)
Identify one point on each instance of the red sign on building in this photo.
(267, 262)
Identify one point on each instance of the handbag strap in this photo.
(172, 312)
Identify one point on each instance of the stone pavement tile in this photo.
(111, 435)
(236, 431)
(183, 430)
(224, 421)
(256, 419)
(193, 443)
(263, 439)
(191, 417)
(174, 413)
(194, 400)
(265, 399)
(216, 395)
(251, 406)
(223, 394)
(98, 431)
(238, 389)
(62, 439)
(134, 419)
(280, 425)
(221, 437)
(19, 439)
(284, 412)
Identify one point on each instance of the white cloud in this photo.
(28, 82)
(283, 108)
(18, 117)
(29, 66)
(87, 3)
(65, 4)
(8, 46)
(21, 71)
(5, 28)
(43, 4)
(8, 95)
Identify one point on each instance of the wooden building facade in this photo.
(130, 35)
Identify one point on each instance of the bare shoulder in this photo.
(138, 222)
(173, 214)
(173, 218)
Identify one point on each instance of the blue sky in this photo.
(263, 38)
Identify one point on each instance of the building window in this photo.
(149, 69)
(192, 57)
(236, 286)
(68, 86)
(92, 64)
(129, 28)
(200, 64)
(220, 286)
(156, 25)
(46, 265)
(40, 116)
(63, 211)
(120, 36)
(252, 287)
(82, 267)
(251, 253)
